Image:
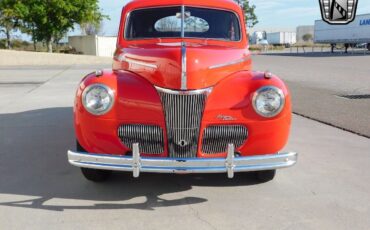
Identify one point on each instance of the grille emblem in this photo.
(183, 143)
(338, 11)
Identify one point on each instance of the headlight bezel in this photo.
(110, 93)
(264, 89)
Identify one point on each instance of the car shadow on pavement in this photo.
(34, 172)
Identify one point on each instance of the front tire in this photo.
(265, 176)
(95, 175)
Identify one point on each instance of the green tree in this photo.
(10, 13)
(249, 12)
(50, 20)
(91, 28)
(307, 37)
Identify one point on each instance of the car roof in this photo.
(222, 4)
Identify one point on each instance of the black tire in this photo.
(95, 175)
(265, 176)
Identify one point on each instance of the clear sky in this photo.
(272, 14)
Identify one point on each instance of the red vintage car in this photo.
(182, 98)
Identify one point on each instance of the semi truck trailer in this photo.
(352, 34)
(282, 38)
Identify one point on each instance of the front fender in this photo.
(231, 102)
(136, 102)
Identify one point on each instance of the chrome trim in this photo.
(217, 137)
(137, 164)
(230, 165)
(99, 73)
(268, 74)
(266, 88)
(184, 80)
(188, 92)
(136, 160)
(150, 137)
(226, 118)
(110, 93)
(183, 112)
(230, 63)
(182, 21)
(130, 61)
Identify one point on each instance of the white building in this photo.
(303, 30)
(94, 45)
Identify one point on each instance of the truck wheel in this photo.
(94, 175)
(265, 176)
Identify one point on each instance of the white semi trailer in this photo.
(258, 37)
(282, 38)
(354, 33)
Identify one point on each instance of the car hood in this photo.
(162, 63)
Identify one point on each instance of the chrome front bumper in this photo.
(137, 164)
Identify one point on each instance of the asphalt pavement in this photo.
(322, 85)
(328, 188)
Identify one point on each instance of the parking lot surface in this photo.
(328, 188)
(320, 84)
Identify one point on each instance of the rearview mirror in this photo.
(187, 15)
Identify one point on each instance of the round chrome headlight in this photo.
(268, 101)
(98, 99)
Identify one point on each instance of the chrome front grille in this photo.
(149, 137)
(217, 138)
(183, 111)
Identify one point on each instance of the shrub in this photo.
(2, 43)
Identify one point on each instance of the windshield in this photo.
(188, 22)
